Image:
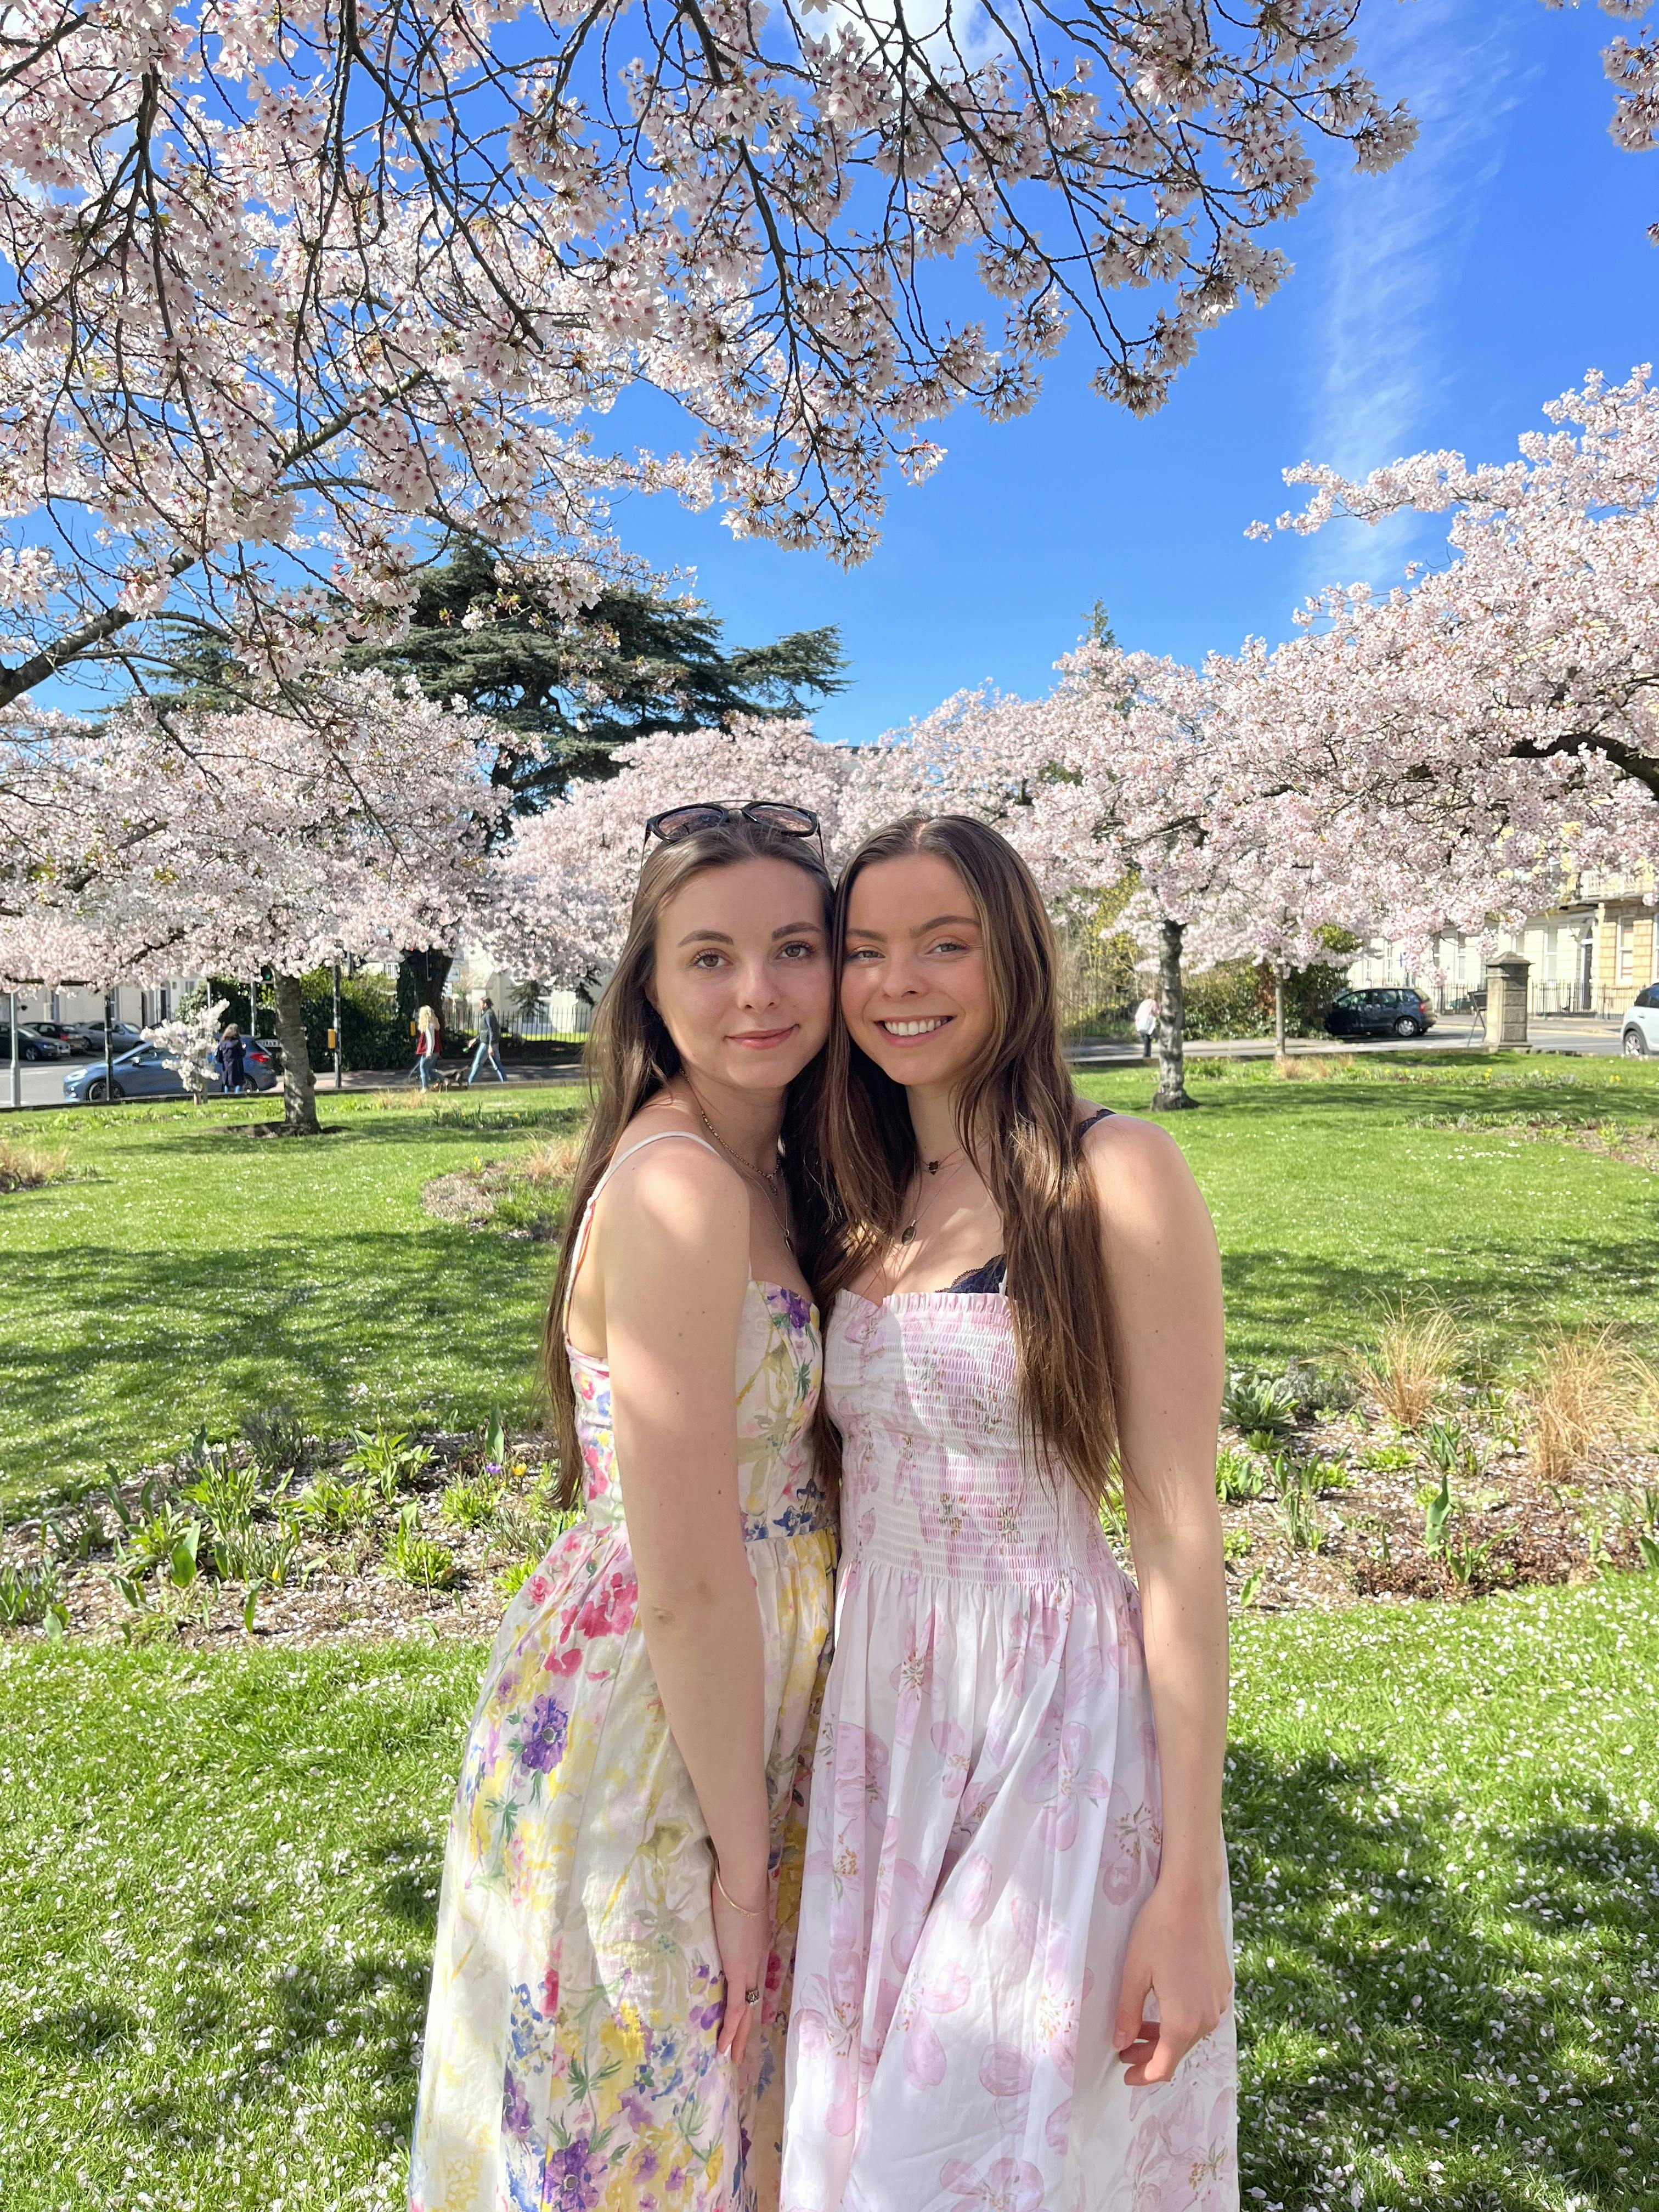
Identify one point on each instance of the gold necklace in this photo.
(768, 1184)
(907, 1234)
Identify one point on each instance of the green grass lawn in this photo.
(196, 1275)
(1328, 1195)
(218, 1879)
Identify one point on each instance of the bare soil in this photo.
(1365, 1542)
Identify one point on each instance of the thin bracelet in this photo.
(742, 1910)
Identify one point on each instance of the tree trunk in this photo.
(1171, 1095)
(1279, 1013)
(299, 1084)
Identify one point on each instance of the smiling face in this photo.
(914, 991)
(741, 973)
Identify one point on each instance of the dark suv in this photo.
(1402, 1013)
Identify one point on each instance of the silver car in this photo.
(145, 1074)
(1641, 1030)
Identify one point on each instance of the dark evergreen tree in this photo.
(570, 690)
(567, 692)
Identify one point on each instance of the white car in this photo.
(1640, 1035)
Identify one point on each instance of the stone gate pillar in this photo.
(1506, 998)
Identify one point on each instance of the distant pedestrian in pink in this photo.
(1014, 1974)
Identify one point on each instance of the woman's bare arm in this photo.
(1163, 1273)
(674, 1267)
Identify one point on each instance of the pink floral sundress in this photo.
(570, 2063)
(985, 1818)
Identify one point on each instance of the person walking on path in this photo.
(489, 1052)
(615, 1929)
(230, 1053)
(429, 1043)
(1013, 1976)
(1146, 1024)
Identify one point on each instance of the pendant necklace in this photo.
(768, 1184)
(907, 1234)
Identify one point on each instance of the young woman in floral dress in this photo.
(611, 1981)
(1013, 1971)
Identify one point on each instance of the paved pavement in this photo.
(43, 1085)
(1568, 1033)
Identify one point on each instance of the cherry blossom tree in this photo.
(200, 841)
(1507, 702)
(1633, 69)
(291, 287)
(189, 1044)
(561, 887)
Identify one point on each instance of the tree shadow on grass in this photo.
(1459, 1087)
(148, 1345)
(1369, 1972)
(396, 1128)
(253, 2042)
(1286, 1302)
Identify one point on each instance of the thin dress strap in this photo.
(621, 1160)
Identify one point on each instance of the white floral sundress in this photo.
(570, 2062)
(985, 1818)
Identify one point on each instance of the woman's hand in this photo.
(745, 1941)
(1177, 1954)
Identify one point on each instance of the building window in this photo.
(1626, 949)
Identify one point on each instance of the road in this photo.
(43, 1085)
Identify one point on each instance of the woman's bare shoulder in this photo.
(1138, 1166)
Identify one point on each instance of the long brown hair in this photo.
(1017, 1120)
(630, 1056)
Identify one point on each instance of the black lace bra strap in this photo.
(1101, 1114)
(991, 1277)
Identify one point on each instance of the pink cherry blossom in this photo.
(1006, 2184)
(1059, 1778)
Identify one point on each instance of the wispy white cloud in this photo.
(1390, 254)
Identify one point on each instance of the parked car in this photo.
(1640, 1033)
(1402, 1013)
(88, 1036)
(145, 1074)
(34, 1044)
(65, 1037)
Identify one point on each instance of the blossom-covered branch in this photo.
(289, 285)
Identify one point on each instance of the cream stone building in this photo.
(1589, 955)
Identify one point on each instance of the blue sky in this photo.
(1438, 306)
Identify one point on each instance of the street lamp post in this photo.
(16, 1063)
(109, 1056)
(339, 1083)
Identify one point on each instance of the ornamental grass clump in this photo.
(333, 1506)
(31, 1167)
(1587, 1391)
(1311, 1067)
(30, 1589)
(1239, 1475)
(1406, 1370)
(553, 1160)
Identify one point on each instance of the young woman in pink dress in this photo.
(1013, 1975)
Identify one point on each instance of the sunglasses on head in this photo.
(679, 822)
